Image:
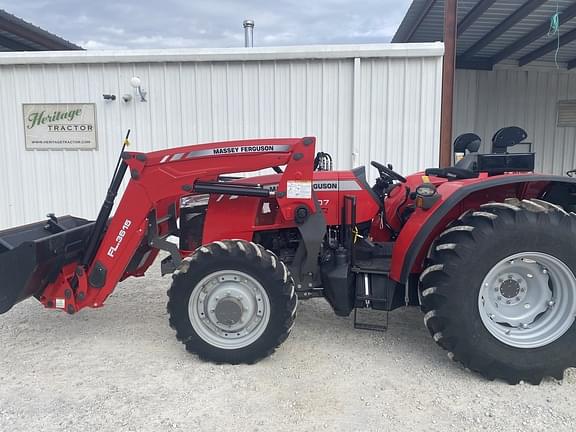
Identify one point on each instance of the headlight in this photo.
(426, 190)
(426, 196)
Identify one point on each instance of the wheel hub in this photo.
(228, 311)
(528, 299)
(510, 288)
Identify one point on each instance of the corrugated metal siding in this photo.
(486, 101)
(383, 108)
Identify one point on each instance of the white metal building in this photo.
(363, 102)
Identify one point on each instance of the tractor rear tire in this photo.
(232, 302)
(499, 292)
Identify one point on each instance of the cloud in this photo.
(159, 41)
(112, 30)
(112, 24)
(98, 45)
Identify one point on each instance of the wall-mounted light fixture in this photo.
(137, 84)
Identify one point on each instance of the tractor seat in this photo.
(465, 168)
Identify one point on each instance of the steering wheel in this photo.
(389, 172)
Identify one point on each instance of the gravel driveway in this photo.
(121, 369)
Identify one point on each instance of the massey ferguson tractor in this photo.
(485, 248)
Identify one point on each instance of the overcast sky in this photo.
(108, 24)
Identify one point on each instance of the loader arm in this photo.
(149, 208)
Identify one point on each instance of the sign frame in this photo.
(51, 148)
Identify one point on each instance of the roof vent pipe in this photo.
(248, 33)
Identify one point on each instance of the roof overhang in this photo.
(493, 31)
(19, 35)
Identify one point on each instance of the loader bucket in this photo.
(31, 256)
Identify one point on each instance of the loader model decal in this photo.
(119, 238)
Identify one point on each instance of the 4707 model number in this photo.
(119, 238)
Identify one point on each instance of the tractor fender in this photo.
(423, 227)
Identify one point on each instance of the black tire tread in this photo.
(441, 265)
(254, 252)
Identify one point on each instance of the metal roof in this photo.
(491, 31)
(19, 35)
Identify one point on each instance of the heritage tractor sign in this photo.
(60, 126)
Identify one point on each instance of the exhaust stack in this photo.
(248, 33)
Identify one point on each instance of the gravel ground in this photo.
(121, 369)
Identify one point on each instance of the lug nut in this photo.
(508, 302)
(545, 271)
(499, 298)
(551, 303)
(524, 326)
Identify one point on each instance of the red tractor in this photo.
(485, 248)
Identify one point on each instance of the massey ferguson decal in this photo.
(244, 149)
(119, 238)
(221, 151)
(327, 185)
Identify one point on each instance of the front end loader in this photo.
(484, 248)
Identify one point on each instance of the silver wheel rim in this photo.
(528, 300)
(229, 309)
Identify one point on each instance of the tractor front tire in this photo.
(232, 302)
(499, 292)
